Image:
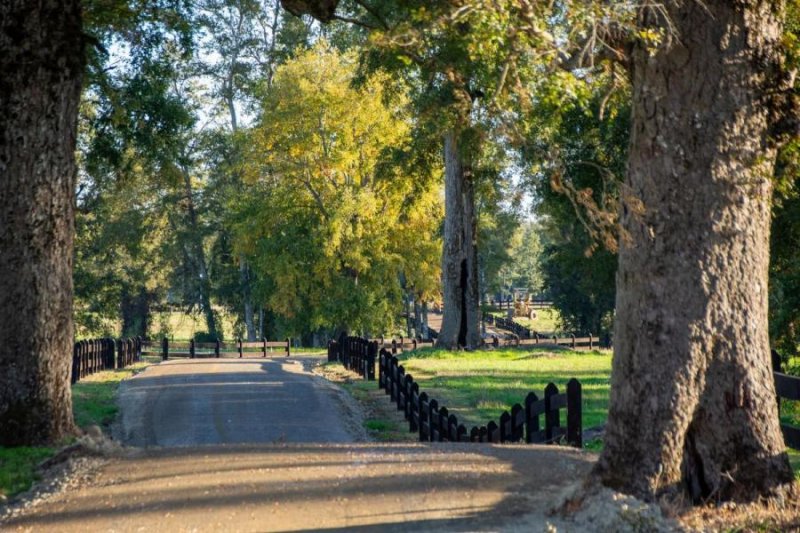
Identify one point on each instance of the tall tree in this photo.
(458, 54)
(42, 61)
(240, 43)
(335, 232)
(692, 396)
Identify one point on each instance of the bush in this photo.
(204, 336)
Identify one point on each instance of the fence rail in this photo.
(94, 355)
(191, 349)
(435, 423)
(788, 388)
(508, 303)
(403, 344)
(355, 353)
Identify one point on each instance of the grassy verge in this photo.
(478, 386)
(93, 397)
(546, 321)
(18, 467)
(382, 421)
(92, 404)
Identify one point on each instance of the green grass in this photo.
(546, 320)
(18, 467)
(478, 386)
(93, 396)
(92, 403)
(182, 326)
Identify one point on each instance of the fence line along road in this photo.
(192, 349)
(435, 423)
(94, 355)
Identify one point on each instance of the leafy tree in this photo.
(576, 153)
(337, 228)
(460, 60)
(523, 270)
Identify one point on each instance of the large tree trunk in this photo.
(692, 395)
(244, 270)
(41, 61)
(244, 273)
(460, 320)
(135, 311)
(199, 257)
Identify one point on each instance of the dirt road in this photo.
(191, 472)
(194, 402)
(334, 487)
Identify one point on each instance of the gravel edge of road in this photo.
(352, 411)
(71, 467)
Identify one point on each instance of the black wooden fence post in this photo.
(433, 419)
(240, 348)
(263, 347)
(552, 419)
(574, 415)
(165, 349)
(76, 359)
(371, 356)
(531, 419)
(216, 348)
(288, 346)
(191, 349)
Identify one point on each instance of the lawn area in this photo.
(93, 396)
(478, 386)
(92, 403)
(182, 326)
(546, 320)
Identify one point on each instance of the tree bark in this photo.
(244, 270)
(199, 259)
(460, 320)
(135, 311)
(41, 60)
(692, 404)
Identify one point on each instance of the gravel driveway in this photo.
(193, 402)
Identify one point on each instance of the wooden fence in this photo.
(356, 354)
(572, 342)
(508, 303)
(402, 345)
(788, 388)
(192, 349)
(94, 355)
(435, 423)
(359, 354)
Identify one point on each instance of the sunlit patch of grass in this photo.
(478, 386)
(93, 396)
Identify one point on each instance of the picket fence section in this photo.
(94, 355)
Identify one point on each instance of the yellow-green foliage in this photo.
(335, 219)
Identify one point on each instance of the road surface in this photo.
(264, 445)
(193, 402)
(332, 487)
